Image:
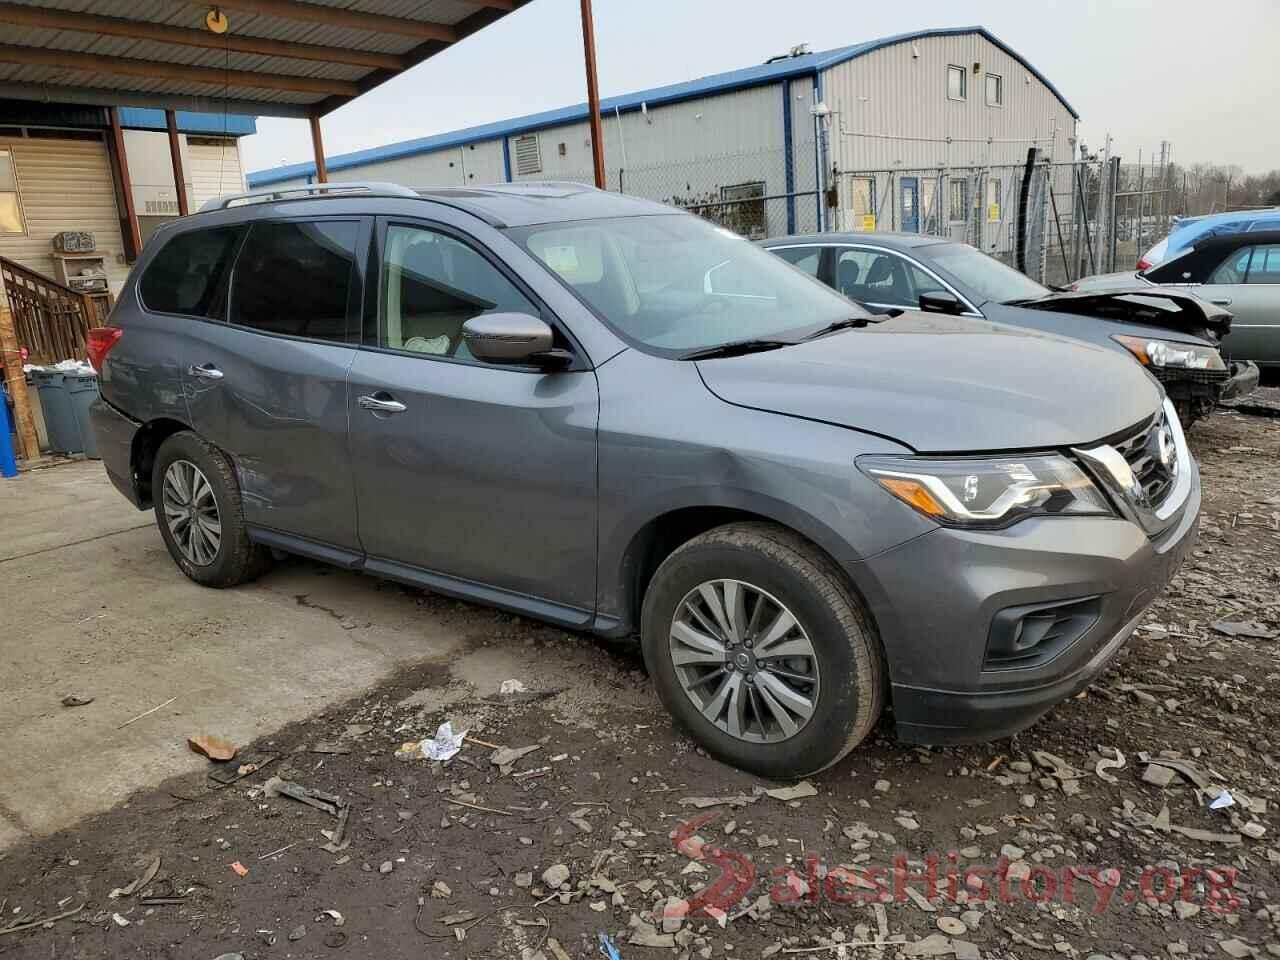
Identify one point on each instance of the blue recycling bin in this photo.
(8, 463)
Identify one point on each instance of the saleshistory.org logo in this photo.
(940, 877)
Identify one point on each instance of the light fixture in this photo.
(216, 21)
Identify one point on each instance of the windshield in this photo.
(677, 283)
(981, 277)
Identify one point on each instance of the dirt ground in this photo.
(616, 825)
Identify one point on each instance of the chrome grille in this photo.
(1136, 447)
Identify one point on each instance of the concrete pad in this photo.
(95, 607)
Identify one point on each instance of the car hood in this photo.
(1129, 280)
(944, 384)
(1143, 304)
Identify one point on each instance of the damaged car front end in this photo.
(1188, 364)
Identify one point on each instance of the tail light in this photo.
(1144, 264)
(99, 343)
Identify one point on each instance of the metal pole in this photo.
(317, 148)
(175, 156)
(126, 184)
(593, 94)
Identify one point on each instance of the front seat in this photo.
(847, 274)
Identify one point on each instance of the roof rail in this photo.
(305, 190)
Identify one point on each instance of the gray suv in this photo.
(619, 418)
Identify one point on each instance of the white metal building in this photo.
(897, 126)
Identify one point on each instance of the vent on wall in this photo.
(528, 154)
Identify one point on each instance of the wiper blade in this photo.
(847, 324)
(736, 349)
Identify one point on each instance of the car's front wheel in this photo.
(760, 649)
(198, 510)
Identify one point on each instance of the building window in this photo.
(10, 203)
(742, 209)
(957, 83)
(528, 154)
(959, 200)
(995, 90)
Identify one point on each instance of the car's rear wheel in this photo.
(760, 649)
(199, 513)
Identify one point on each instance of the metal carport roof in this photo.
(278, 58)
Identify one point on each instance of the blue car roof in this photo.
(1191, 230)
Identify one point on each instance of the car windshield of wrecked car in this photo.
(985, 278)
(669, 284)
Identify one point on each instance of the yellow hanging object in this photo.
(216, 21)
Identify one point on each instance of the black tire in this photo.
(850, 660)
(237, 559)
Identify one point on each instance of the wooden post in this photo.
(133, 239)
(16, 384)
(175, 154)
(317, 146)
(593, 94)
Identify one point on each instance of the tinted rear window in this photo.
(188, 276)
(295, 278)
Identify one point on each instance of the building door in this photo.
(909, 192)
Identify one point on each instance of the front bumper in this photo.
(934, 599)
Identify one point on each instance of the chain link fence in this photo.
(1056, 222)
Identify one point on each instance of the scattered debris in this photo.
(735, 800)
(512, 686)
(30, 924)
(1243, 629)
(146, 713)
(1223, 800)
(337, 837)
(504, 758)
(240, 869)
(330, 804)
(141, 881)
(1115, 761)
(444, 745)
(215, 748)
(798, 792)
(71, 700)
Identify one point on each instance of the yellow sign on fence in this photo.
(868, 221)
(993, 213)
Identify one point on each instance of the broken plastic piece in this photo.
(213, 747)
(1223, 800)
(607, 949)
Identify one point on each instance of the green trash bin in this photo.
(59, 419)
(82, 390)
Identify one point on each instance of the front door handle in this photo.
(1223, 302)
(381, 404)
(205, 372)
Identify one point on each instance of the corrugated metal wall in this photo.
(64, 185)
(892, 91)
(213, 169)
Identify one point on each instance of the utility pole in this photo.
(593, 94)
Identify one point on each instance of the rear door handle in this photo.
(1224, 302)
(206, 372)
(381, 404)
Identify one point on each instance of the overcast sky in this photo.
(1198, 74)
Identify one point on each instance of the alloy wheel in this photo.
(745, 661)
(191, 511)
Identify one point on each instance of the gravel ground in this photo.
(1063, 840)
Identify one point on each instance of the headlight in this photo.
(988, 492)
(1165, 353)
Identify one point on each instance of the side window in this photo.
(870, 276)
(188, 276)
(295, 278)
(957, 86)
(431, 285)
(1234, 268)
(1264, 265)
(806, 258)
(921, 282)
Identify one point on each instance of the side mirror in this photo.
(512, 338)
(940, 301)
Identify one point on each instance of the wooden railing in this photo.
(50, 320)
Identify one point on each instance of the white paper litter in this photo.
(512, 686)
(444, 744)
(1223, 800)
